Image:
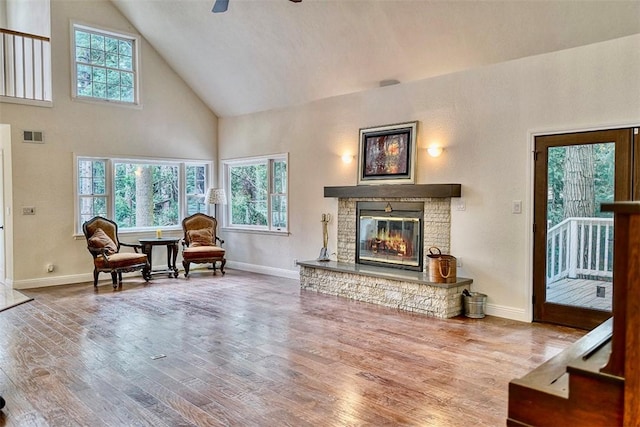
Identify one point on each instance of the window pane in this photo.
(83, 54)
(97, 42)
(126, 48)
(195, 204)
(99, 74)
(280, 176)
(126, 94)
(126, 62)
(83, 39)
(92, 206)
(100, 90)
(146, 195)
(196, 179)
(111, 45)
(91, 177)
(279, 211)
(249, 195)
(111, 75)
(113, 92)
(97, 57)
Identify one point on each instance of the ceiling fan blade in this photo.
(220, 6)
(296, 1)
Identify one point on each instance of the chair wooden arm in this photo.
(219, 240)
(135, 246)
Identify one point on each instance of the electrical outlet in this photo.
(29, 210)
(516, 207)
(295, 262)
(459, 262)
(461, 206)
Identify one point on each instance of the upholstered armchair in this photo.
(200, 244)
(104, 246)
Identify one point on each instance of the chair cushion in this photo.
(202, 237)
(120, 260)
(100, 240)
(203, 252)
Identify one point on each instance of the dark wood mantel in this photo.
(402, 190)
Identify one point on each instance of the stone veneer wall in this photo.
(435, 301)
(437, 224)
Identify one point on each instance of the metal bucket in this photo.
(475, 305)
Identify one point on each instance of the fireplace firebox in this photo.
(389, 234)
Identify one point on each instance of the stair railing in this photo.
(25, 71)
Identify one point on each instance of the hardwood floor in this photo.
(253, 350)
(581, 293)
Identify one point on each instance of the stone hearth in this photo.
(402, 289)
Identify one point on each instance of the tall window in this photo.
(92, 188)
(257, 189)
(195, 189)
(140, 194)
(105, 65)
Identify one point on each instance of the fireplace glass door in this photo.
(391, 239)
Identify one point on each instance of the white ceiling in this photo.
(266, 54)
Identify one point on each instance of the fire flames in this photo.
(390, 243)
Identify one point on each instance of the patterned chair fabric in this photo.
(104, 246)
(200, 244)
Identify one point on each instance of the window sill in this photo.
(138, 234)
(26, 101)
(250, 231)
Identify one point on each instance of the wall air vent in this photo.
(33, 136)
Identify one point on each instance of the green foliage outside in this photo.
(604, 174)
(104, 67)
(249, 190)
(165, 193)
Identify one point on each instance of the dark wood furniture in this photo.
(595, 381)
(394, 190)
(104, 245)
(172, 254)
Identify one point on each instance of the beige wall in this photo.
(486, 119)
(173, 123)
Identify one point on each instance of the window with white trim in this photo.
(140, 194)
(258, 193)
(105, 65)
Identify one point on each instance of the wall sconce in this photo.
(347, 158)
(435, 151)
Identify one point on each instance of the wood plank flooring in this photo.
(581, 293)
(251, 350)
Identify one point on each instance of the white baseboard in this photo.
(271, 271)
(508, 312)
(51, 281)
(88, 277)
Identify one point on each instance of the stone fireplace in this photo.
(436, 224)
(366, 250)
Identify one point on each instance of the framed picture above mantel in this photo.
(387, 154)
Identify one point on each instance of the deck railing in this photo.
(25, 72)
(580, 247)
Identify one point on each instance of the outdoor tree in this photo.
(579, 184)
(580, 178)
(144, 196)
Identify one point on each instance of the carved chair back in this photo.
(109, 227)
(199, 221)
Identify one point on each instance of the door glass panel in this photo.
(579, 252)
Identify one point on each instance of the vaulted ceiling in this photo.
(267, 54)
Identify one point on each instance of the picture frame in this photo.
(387, 154)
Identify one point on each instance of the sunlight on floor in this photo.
(10, 298)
